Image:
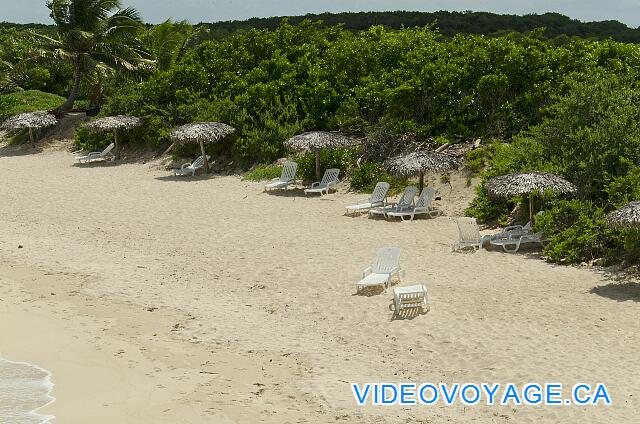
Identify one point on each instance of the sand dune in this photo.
(233, 305)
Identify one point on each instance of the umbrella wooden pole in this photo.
(531, 214)
(115, 140)
(33, 143)
(421, 183)
(318, 165)
(204, 157)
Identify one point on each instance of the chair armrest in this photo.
(366, 272)
(512, 227)
(315, 184)
(184, 165)
(273, 180)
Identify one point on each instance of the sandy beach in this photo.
(159, 299)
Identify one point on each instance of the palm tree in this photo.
(94, 34)
(165, 40)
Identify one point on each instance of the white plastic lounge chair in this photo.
(287, 177)
(469, 234)
(329, 181)
(190, 167)
(410, 297)
(377, 198)
(511, 245)
(385, 267)
(405, 203)
(105, 154)
(422, 206)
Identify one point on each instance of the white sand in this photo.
(257, 320)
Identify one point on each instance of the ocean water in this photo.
(24, 388)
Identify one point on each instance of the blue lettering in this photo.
(534, 398)
(511, 394)
(407, 394)
(385, 400)
(491, 392)
(601, 392)
(360, 397)
(576, 394)
(423, 399)
(463, 394)
(449, 396)
(553, 393)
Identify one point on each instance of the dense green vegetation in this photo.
(449, 23)
(545, 101)
(27, 101)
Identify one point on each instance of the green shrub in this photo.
(366, 177)
(27, 101)
(576, 231)
(487, 209)
(263, 172)
(343, 159)
(477, 159)
(90, 140)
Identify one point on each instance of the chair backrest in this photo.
(379, 193)
(469, 230)
(198, 163)
(330, 176)
(387, 259)
(426, 197)
(407, 197)
(289, 171)
(108, 149)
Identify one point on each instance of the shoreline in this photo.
(46, 382)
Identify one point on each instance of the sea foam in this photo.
(24, 389)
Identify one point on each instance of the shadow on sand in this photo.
(11, 150)
(623, 286)
(292, 192)
(407, 313)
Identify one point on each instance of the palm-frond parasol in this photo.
(415, 164)
(201, 132)
(315, 141)
(627, 216)
(115, 124)
(31, 121)
(528, 183)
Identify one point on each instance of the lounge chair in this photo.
(190, 167)
(377, 198)
(288, 176)
(405, 202)
(329, 181)
(512, 244)
(410, 297)
(422, 206)
(385, 267)
(469, 234)
(105, 154)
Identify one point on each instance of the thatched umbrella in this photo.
(527, 183)
(30, 120)
(115, 124)
(315, 141)
(201, 132)
(414, 164)
(627, 216)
